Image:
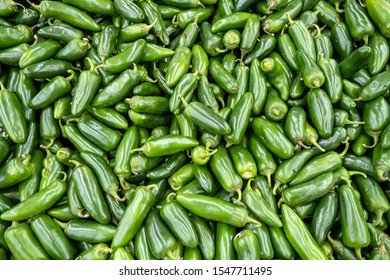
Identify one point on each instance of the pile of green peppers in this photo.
(194, 129)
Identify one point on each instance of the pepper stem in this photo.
(49, 144)
(64, 174)
(248, 185)
(26, 159)
(239, 195)
(171, 255)
(170, 197)
(378, 217)
(300, 143)
(268, 175)
(358, 252)
(253, 221)
(353, 122)
(141, 149)
(2, 87)
(352, 173)
(183, 101)
(174, 21)
(342, 154)
(382, 174)
(218, 50)
(314, 143)
(75, 162)
(281, 200)
(337, 8)
(376, 137)
(61, 224)
(72, 75)
(276, 186)
(114, 193)
(318, 29)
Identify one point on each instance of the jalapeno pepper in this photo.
(379, 11)
(300, 237)
(100, 251)
(224, 244)
(15, 170)
(282, 246)
(12, 116)
(277, 20)
(19, 237)
(12, 36)
(215, 209)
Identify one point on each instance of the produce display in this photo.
(194, 130)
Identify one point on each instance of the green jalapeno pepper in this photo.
(224, 241)
(11, 36)
(36, 203)
(273, 138)
(19, 237)
(265, 45)
(12, 116)
(47, 230)
(354, 229)
(277, 20)
(281, 245)
(358, 22)
(15, 170)
(215, 209)
(299, 236)
(60, 32)
(246, 245)
(379, 11)
(100, 251)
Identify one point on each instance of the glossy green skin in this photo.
(205, 178)
(305, 211)
(129, 10)
(129, 141)
(177, 220)
(102, 7)
(302, 38)
(152, 12)
(98, 133)
(205, 237)
(241, 74)
(109, 117)
(287, 50)
(167, 145)
(361, 77)
(261, 184)
(265, 45)
(214, 209)
(342, 39)
(106, 177)
(117, 208)
(324, 216)
(354, 229)
(52, 238)
(281, 245)
(5, 147)
(377, 86)
(232, 21)
(273, 138)
(147, 89)
(309, 190)
(169, 167)
(132, 32)
(277, 20)
(31, 185)
(259, 207)
(14, 171)
(62, 33)
(358, 22)
(373, 196)
(299, 236)
(150, 121)
(231, 39)
(89, 231)
(278, 73)
(122, 254)
(295, 124)
(311, 72)
(51, 171)
(91, 194)
(212, 140)
(118, 89)
(380, 159)
(200, 60)
(355, 61)
(212, 43)
(49, 128)
(142, 199)
(243, 161)
(257, 86)
(354, 130)
(11, 56)
(182, 176)
(55, 89)
(246, 245)
(186, 127)
(100, 251)
(75, 205)
(206, 94)
(358, 146)
(12, 116)
(321, 112)
(124, 60)
(327, 13)
(380, 52)
(186, 17)
(23, 244)
(333, 81)
(5, 204)
(379, 12)
(360, 163)
(223, 169)
(25, 91)
(324, 46)
(68, 14)
(376, 115)
(141, 163)
(185, 88)
(12, 36)
(264, 240)
(222, 77)
(39, 52)
(192, 187)
(189, 36)
(250, 34)
(161, 241)
(265, 163)
(326, 162)
(141, 246)
(275, 109)
(86, 88)
(36, 203)
(240, 118)
(47, 69)
(204, 117)
(224, 242)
